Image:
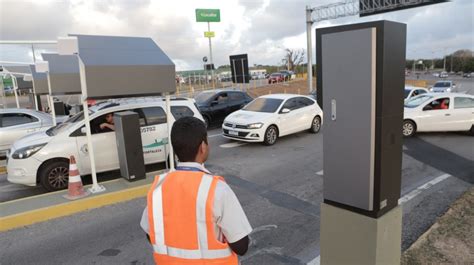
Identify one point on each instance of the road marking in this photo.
(412, 194)
(315, 261)
(232, 145)
(263, 228)
(321, 172)
(214, 135)
(402, 200)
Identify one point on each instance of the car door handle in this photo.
(447, 114)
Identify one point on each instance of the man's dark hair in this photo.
(187, 135)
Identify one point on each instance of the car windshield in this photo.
(269, 105)
(407, 92)
(204, 97)
(442, 84)
(65, 125)
(416, 101)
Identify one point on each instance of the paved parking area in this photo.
(280, 188)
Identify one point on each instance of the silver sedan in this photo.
(16, 123)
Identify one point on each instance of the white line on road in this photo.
(214, 135)
(402, 200)
(232, 145)
(315, 261)
(412, 194)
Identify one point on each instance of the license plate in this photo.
(234, 133)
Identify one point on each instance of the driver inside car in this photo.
(108, 125)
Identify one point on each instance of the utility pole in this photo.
(309, 51)
(444, 63)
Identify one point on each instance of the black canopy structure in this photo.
(115, 67)
(40, 81)
(63, 74)
(19, 71)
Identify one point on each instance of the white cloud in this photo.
(261, 28)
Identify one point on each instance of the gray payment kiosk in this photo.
(129, 145)
(360, 88)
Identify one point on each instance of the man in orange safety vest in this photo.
(192, 216)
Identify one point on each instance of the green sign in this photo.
(208, 15)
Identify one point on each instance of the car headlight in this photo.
(28, 151)
(449, 89)
(255, 125)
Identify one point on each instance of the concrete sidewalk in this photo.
(30, 210)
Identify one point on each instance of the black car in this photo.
(215, 105)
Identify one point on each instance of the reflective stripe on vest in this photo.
(166, 229)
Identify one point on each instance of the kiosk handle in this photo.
(333, 109)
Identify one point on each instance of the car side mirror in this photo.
(285, 110)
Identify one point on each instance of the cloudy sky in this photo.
(261, 28)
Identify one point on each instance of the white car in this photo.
(43, 157)
(443, 75)
(414, 91)
(443, 86)
(435, 112)
(268, 117)
(16, 123)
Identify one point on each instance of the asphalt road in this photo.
(280, 188)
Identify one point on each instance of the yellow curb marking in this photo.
(68, 208)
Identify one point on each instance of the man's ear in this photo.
(202, 148)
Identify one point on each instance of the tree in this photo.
(293, 58)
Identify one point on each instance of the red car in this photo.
(276, 78)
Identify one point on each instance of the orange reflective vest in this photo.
(181, 221)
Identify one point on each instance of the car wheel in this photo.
(315, 125)
(409, 128)
(271, 135)
(55, 175)
(471, 131)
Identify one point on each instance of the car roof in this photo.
(134, 102)
(21, 110)
(222, 90)
(414, 87)
(282, 96)
(434, 94)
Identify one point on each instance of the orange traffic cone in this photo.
(75, 188)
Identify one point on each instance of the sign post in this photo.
(209, 15)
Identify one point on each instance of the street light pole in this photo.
(309, 68)
(444, 63)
